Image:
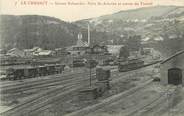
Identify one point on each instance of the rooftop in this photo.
(173, 56)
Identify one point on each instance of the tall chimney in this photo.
(88, 35)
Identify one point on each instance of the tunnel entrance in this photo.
(175, 76)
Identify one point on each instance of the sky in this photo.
(72, 10)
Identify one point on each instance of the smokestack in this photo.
(88, 35)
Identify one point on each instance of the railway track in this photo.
(131, 110)
(50, 87)
(45, 96)
(39, 84)
(57, 80)
(35, 80)
(85, 111)
(54, 94)
(140, 109)
(116, 78)
(64, 83)
(70, 88)
(146, 108)
(50, 80)
(40, 78)
(91, 110)
(165, 106)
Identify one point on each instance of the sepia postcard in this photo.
(91, 57)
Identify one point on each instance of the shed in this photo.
(172, 69)
(61, 52)
(114, 49)
(45, 53)
(16, 52)
(99, 49)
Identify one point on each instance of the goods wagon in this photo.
(130, 64)
(78, 63)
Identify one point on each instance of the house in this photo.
(32, 52)
(36, 51)
(15, 52)
(45, 53)
(97, 49)
(61, 51)
(172, 69)
(77, 50)
(151, 52)
(28, 52)
(114, 49)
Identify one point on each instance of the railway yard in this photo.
(124, 61)
(131, 93)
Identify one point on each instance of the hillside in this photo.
(142, 13)
(161, 27)
(30, 31)
(154, 24)
(139, 14)
(150, 21)
(46, 32)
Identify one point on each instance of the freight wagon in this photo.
(130, 64)
(78, 63)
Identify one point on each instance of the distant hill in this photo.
(29, 31)
(46, 32)
(149, 21)
(144, 13)
(154, 24)
(159, 26)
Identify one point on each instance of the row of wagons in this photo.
(32, 72)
